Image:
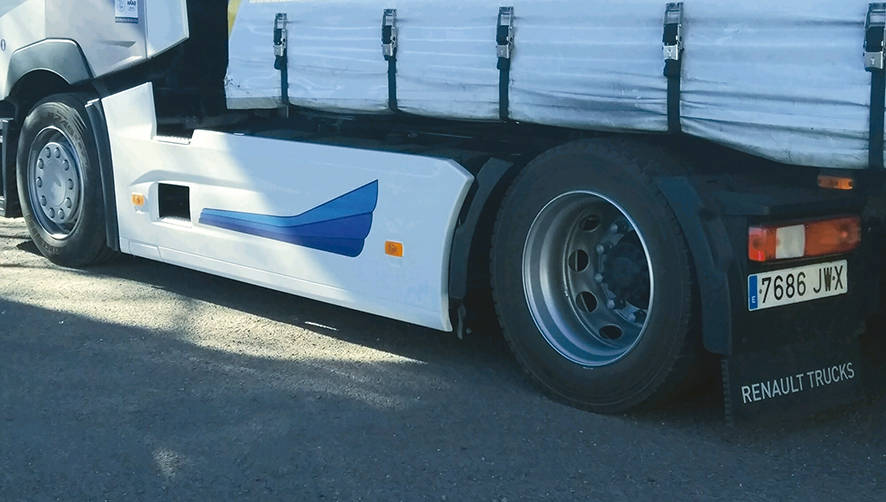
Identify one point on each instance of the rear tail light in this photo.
(804, 240)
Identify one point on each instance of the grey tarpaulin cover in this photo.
(780, 79)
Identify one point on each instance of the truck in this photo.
(623, 246)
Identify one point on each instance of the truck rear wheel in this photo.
(59, 182)
(591, 278)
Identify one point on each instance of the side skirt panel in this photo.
(293, 199)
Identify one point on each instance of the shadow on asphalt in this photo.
(109, 400)
(28, 247)
(400, 338)
(95, 409)
(485, 348)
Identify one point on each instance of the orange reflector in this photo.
(806, 240)
(394, 249)
(138, 200)
(833, 236)
(835, 182)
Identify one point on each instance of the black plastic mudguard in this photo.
(9, 207)
(103, 147)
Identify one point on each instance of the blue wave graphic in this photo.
(339, 226)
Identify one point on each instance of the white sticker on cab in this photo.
(126, 11)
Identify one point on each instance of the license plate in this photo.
(796, 285)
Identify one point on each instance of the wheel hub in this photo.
(55, 182)
(587, 278)
(625, 273)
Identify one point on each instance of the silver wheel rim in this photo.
(55, 183)
(588, 278)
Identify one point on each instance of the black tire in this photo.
(667, 347)
(85, 243)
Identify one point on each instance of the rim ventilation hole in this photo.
(587, 301)
(590, 223)
(611, 332)
(579, 261)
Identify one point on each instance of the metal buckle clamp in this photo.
(389, 34)
(673, 32)
(505, 34)
(875, 35)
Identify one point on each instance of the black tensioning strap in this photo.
(281, 56)
(673, 55)
(389, 48)
(878, 110)
(504, 38)
(673, 69)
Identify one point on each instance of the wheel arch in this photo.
(43, 68)
(704, 231)
(472, 241)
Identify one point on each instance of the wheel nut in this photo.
(598, 278)
(67, 165)
(51, 213)
(70, 184)
(68, 203)
(40, 164)
(601, 249)
(61, 214)
(58, 152)
(48, 153)
(610, 304)
(632, 317)
(39, 182)
(614, 228)
(43, 201)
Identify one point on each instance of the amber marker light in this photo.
(836, 182)
(394, 249)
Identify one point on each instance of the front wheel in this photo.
(591, 278)
(59, 182)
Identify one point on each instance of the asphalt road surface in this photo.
(138, 380)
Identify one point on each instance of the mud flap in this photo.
(8, 199)
(793, 381)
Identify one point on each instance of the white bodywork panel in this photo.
(782, 80)
(109, 42)
(419, 199)
(166, 24)
(108, 45)
(18, 29)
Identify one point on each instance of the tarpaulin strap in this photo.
(281, 56)
(673, 56)
(874, 59)
(504, 38)
(389, 49)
